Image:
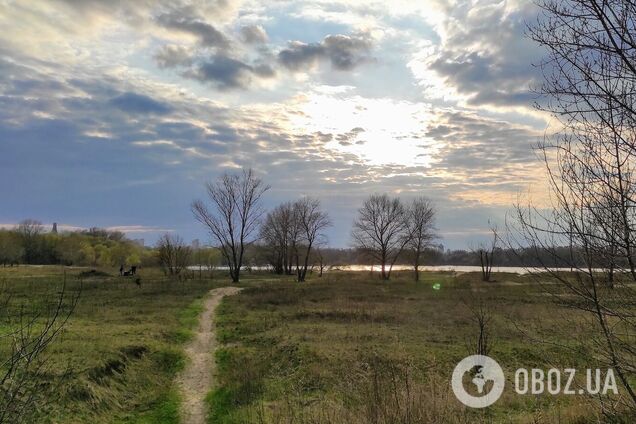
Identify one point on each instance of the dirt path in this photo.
(196, 379)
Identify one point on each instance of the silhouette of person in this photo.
(121, 270)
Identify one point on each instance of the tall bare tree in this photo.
(381, 231)
(589, 87)
(280, 232)
(312, 222)
(421, 221)
(234, 217)
(486, 255)
(173, 254)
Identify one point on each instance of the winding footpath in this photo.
(195, 381)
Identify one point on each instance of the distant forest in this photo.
(29, 243)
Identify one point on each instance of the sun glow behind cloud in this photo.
(378, 131)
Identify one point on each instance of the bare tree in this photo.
(290, 232)
(420, 220)
(272, 235)
(173, 254)
(381, 231)
(480, 341)
(312, 222)
(320, 258)
(208, 258)
(280, 232)
(486, 255)
(26, 387)
(610, 223)
(235, 215)
(589, 86)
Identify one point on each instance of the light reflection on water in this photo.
(377, 268)
(451, 268)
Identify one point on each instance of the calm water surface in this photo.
(376, 268)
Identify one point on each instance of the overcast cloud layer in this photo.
(114, 113)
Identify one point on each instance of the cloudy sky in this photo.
(114, 113)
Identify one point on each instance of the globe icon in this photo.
(479, 380)
(485, 370)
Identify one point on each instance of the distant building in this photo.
(139, 242)
(196, 244)
(54, 229)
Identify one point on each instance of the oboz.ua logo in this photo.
(486, 381)
(486, 376)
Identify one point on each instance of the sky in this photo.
(115, 113)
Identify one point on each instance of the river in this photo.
(376, 268)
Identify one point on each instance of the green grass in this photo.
(164, 411)
(122, 346)
(349, 348)
(345, 348)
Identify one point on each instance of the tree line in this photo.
(30, 243)
(289, 240)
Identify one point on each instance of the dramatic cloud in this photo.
(344, 52)
(222, 71)
(115, 113)
(182, 20)
(227, 73)
(253, 34)
(484, 55)
(474, 144)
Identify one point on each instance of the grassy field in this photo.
(348, 348)
(345, 348)
(121, 347)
